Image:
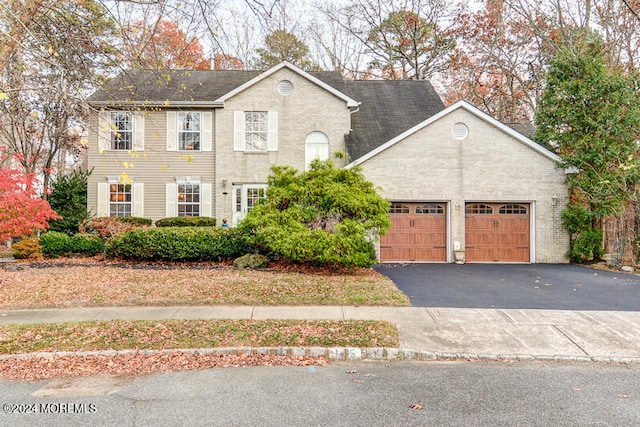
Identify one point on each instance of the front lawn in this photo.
(173, 334)
(97, 284)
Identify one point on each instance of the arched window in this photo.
(512, 210)
(316, 146)
(398, 208)
(430, 208)
(479, 209)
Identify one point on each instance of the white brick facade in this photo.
(489, 165)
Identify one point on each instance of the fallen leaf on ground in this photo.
(130, 365)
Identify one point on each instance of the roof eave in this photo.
(156, 104)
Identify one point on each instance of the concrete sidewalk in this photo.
(425, 333)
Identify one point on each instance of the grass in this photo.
(167, 334)
(102, 284)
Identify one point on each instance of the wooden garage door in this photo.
(497, 232)
(418, 233)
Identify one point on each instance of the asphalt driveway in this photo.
(515, 286)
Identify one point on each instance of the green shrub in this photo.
(179, 244)
(27, 248)
(186, 221)
(69, 199)
(586, 241)
(135, 220)
(55, 244)
(324, 216)
(586, 246)
(86, 244)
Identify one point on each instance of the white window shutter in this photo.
(172, 134)
(272, 132)
(103, 199)
(138, 199)
(171, 200)
(138, 131)
(238, 130)
(206, 133)
(206, 200)
(104, 130)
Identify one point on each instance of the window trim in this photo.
(180, 117)
(179, 203)
(263, 122)
(114, 130)
(118, 203)
(240, 131)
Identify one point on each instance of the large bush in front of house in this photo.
(325, 216)
(69, 199)
(186, 221)
(179, 244)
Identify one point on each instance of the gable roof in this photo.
(471, 109)
(198, 88)
(350, 102)
(388, 108)
(381, 109)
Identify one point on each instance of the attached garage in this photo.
(490, 194)
(497, 232)
(418, 233)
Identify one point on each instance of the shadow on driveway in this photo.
(515, 286)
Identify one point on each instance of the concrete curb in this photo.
(339, 354)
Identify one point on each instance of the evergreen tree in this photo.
(69, 200)
(590, 115)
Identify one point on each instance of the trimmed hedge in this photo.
(186, 221)
(86, 244)
(55, 244)
(179, 244)
(135, 220)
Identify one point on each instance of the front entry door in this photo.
(245, 197)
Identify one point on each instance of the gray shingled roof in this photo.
(388, 107)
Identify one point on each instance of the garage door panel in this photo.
(497, 232)
(418, 233)
(395, 253)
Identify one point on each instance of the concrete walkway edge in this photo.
(427, 334)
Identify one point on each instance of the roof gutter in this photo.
(155, 104)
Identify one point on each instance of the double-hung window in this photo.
(255, 128)
(188, 199)
(189, 131)
(121, 130)
(255, 131)
(120, 200)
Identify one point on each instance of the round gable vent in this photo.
(460, 131)
(285, 87)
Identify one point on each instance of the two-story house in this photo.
(177, 143)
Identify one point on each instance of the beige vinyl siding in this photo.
(154, 167)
